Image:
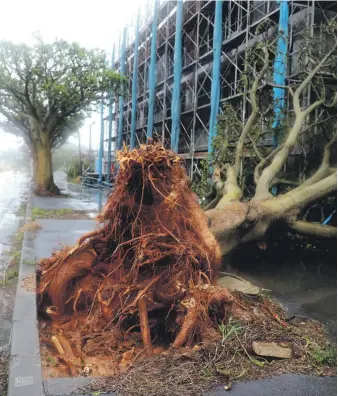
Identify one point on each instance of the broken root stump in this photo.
(145, 278)
(145, 330)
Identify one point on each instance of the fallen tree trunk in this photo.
(235, 223)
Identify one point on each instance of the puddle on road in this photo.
(305, 284)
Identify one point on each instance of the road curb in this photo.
(25, 377)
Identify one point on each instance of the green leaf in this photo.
(257, 362)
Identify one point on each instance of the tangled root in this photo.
(150, 268)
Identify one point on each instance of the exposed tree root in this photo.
(189, 323)
(153, 249)
(146, 277)
(146, 337)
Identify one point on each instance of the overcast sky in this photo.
(93, 24)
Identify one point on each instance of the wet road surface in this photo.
(302, 289)
(13, 192)
(94, 198)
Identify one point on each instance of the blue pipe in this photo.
(121, 99)
(134, 87)
(101, 142)
(329, 218)
(279, 71)
(152, 74)
(216, 71)
(176, 98)
(110, 125)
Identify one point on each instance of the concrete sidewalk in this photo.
(25, 374)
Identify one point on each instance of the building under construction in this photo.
(183, 62)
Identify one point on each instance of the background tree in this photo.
(46, 91)
(242, 204)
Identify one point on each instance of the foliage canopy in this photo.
(50, 88)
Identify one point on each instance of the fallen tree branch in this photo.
(302, 196)
(255, 148)
(264, 161)
(232, 191)
(314, 229)
(285, 181)
(269, 173)
(254, 113)
(259, 167)
(324, 170)
(291, 92)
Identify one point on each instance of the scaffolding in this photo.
(239, 20)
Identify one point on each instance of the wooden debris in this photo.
(57, 345)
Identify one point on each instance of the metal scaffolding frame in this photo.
(239, 21)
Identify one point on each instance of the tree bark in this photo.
(315, 229)
(44, 170)
(238, 223)
(35, 167)
(241, 222)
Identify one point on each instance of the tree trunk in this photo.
(240, 222)
(35, 167)
(44, 170)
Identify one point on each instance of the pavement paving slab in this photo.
(54, 234)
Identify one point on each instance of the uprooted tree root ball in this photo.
(144, 282)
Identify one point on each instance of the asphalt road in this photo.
(283, 385)
(13, 187)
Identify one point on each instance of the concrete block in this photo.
(271, 349)
(25, 378)
(25, 307)
(25, 270)
(25, 338)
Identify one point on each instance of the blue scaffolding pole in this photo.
(216, 69)
(279, 71)
(152, 74)
(176, 98)
(134, 86)
(280, 66)
(121, 99)
(101, 142)
(110, 125)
